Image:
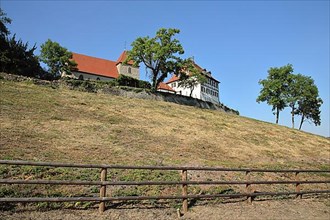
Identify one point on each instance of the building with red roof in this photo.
(163, 87)
(94, 68)
(208, 91)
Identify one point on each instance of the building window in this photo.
(98, 78)
(81, 77)
(129, 70)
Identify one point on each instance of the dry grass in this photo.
(45, 124)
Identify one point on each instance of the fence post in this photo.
(298, 186)
(184, 177)
(248, 186)
(103, 189)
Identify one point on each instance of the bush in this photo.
(132, 82)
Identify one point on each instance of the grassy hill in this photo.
(41, 123)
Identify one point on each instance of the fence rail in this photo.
(184, 183)
(53, 164)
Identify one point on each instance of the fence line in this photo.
(153, 183)
(249, 194)
(53, 164)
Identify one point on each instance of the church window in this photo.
(129, 70)
(81, 77)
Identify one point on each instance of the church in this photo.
(93, 68)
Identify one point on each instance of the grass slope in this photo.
(45, 124)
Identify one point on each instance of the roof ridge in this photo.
(123, 57)
(94, 57)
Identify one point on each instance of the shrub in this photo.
(123, 80)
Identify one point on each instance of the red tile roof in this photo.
(123, 57)
(95, 65)
(175, 78)
(164, 86)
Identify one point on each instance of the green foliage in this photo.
(282, 89)
(309, 102)
(132, 82)
(57, 58)
(125, 82)
(15, 56)
(191, 77)
(275, 88)
(303, 99)
(159, 54)
(3, 21)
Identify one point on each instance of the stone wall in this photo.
(167, 97)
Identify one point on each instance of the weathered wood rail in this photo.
(103, 183)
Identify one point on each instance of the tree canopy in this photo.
(57, 58)
(3, 21)
(160, 55)
(15, 56)
(191, 76)
(275, 87)
(282, 88)
(309, 102)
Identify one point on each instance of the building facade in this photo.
(208, 91)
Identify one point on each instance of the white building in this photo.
(208, 91)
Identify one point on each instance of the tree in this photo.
(3, 21)
(159, 54)
(57, 58)
(275, 88)
(295, 92)
(4, 47)
(15, 56)
(191, 77)
(309, 102)
(20, 59)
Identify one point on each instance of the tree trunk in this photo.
(154, 82)
(301, 122)
(292, 116)
(191, 92)
(277, 115)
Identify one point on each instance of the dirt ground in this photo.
(310, 208)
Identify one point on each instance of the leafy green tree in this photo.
(3, 21)
(309, 102)
(275, 88)
(4, 47)
(20, 59)
(295, 92)
(57, 58)
(15, 56)
(159, 54)
(191, 77)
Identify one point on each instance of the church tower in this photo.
(127, 69)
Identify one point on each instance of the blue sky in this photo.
(238, 41)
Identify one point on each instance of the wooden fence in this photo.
(103, 183)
